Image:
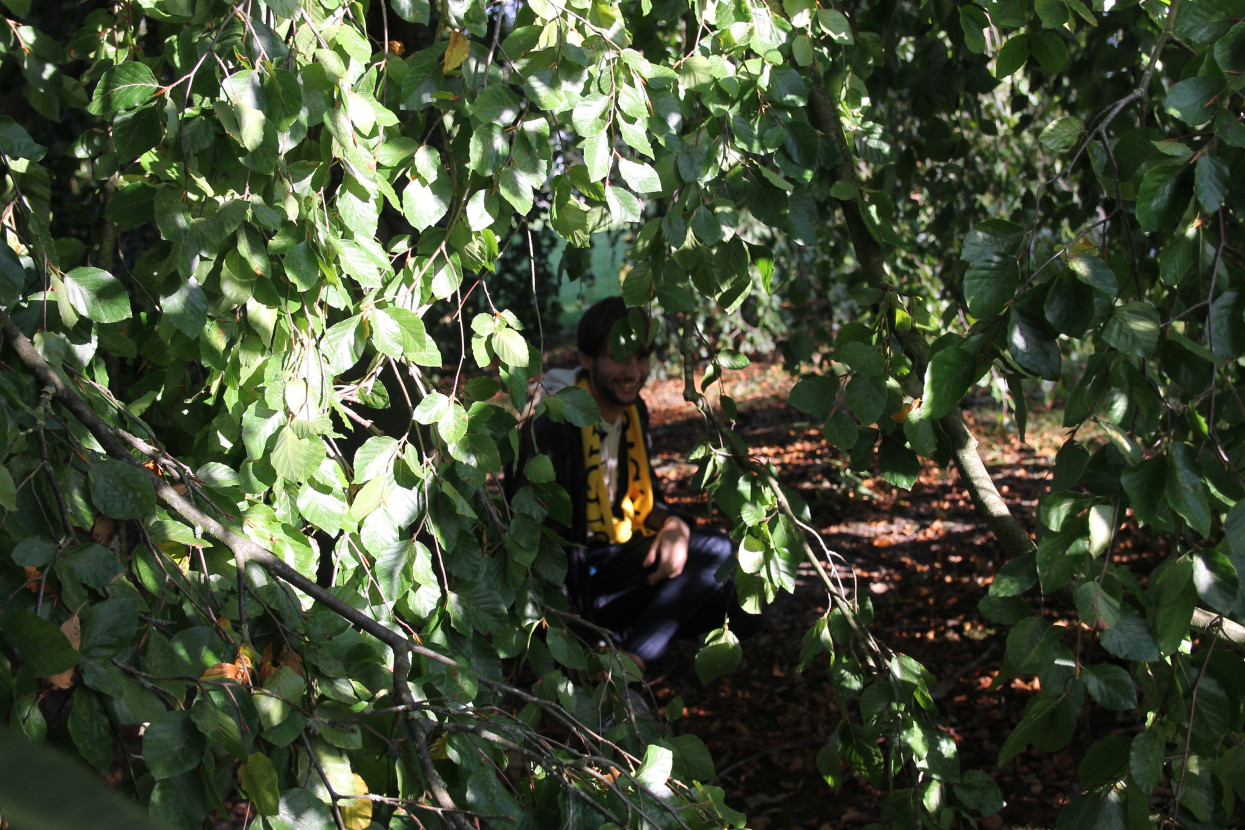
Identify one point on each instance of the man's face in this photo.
(616, 382)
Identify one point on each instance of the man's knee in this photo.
(712, 549)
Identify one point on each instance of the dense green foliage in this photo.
(235, 235)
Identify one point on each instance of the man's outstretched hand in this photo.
(669, 550)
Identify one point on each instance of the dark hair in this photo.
(597, 322)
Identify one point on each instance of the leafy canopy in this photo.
(257, 333)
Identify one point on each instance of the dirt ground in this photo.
(925, 560)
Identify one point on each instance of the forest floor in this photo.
(925, 559)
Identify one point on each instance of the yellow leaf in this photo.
(439, 750)
(357, 812)
(225, 671)
(457, 51)
(1083, 247)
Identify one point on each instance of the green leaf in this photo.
(412, 11)
(186, 308)
(423, 205)
(1197, 791)
(394, 570)
(1069, 305)
(641, 177)
(1186, 488)
(1053, 13)
(510, 347)
(497, 104)
(1216, 581)
(516, 190)
(836, 24)
(12, 276)
(45, 649)
(123, 87)
(1225, 322)
(1145, 760)
(1016, 576)
(1012, 56)
(1111, 686)
(91, 731)
(258, 778)
(866, 396)
(1048, 723)
(1058, 555)
(1050, 51)
(576, 406)
(35, 780)
(452, 425)
(1158, 205)
(898, 464)
(301, 810)
(483, 209)
(1191, 100)
(979, 793)
(1175, 599)
(993, 272)
(179, 803)
(432, 408)
(278, 698)
(97, 295)
(1094, 811)
(949, 375)
(623, 205)
(20, 8)
(134, 133)
(121, 490)
(815, 395)
(16, 143)
(295, 458)
(172, 744)
(1032, 646)
(1062, 134)
(1130, 639)
(34, 552)
(1095, 273)
(1034, 346)
(1211, 182)
(1096, 608)
(108, 627)
(1133, 328)
(972, 22)
(565, 649)
(720, 655)
(840, 430)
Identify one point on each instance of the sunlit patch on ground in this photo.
(924, 560)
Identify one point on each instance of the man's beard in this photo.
(607, 391)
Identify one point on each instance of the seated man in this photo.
(637, 567)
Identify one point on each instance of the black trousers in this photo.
(646, 618)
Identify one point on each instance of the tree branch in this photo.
(985, 496)
(990, 505)
(250, 553)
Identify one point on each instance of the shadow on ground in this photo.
(925, 560)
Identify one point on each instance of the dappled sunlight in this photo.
(923, 560)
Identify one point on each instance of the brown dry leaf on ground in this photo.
(925, 560)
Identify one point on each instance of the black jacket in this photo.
(563, 444)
